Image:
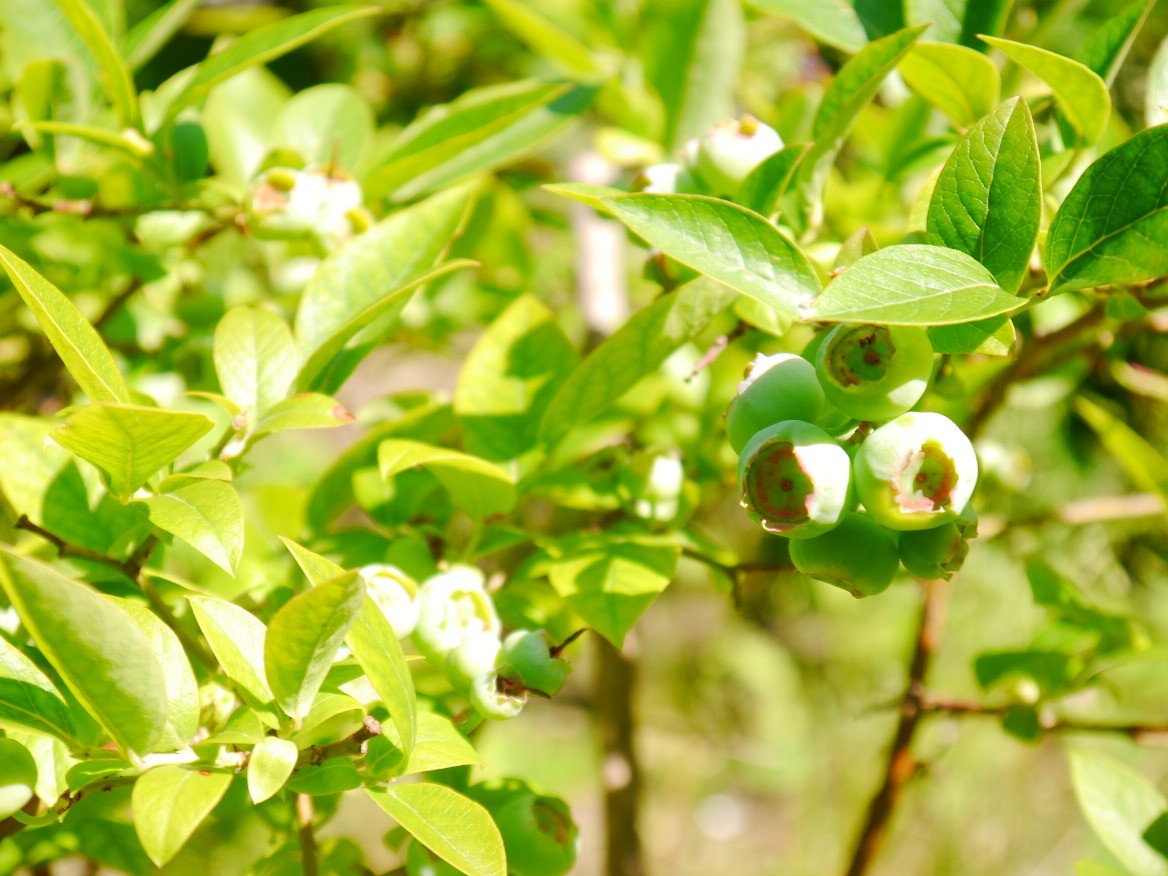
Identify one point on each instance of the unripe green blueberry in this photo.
(18, 776)
(474, 655)
(859, 556)
(664, 179)
(916, 472)
(527, 654)
(728, 152)
(940, 552)
(496, 697)
(874, 372)
(452, 605)
(796, 478)
(650, 485)
(538, 834)
(395, 593)
(776, 388)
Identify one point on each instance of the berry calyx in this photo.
(940, 552)
(496, 697)
(916, 472)
(776, 388)
(796, 478)
(874, 372)
(858, 555)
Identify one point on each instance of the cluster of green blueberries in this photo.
(451, 620)
(817, 441)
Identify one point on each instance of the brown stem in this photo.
(351, 746)
(614, 685)
(67, 549)
(717, 349)
(934, 705)
(901, 764)
(305, 812)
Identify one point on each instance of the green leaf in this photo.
(1156, 88)
(271, 763)
(397, 250)
(144, 40)
(18, 777)
(961, 82)
(260, 46)
(609, 581)
(852, 89)
(546, 38)
(206, 514)
(1113, 226)
(116, 78)
(334, 360)
(483, 129)
(307, 410)
(325, 124)
(695, 64)
(1144, 464)
(78, 344)
(29, 700)
(1080, 92)
(317, 569)
(331, 777)
(958, 21)
(987, 202)
(236, 638)
(1105, 51)
(507, 382)
(913, 284)
(995, 336)
(376, 648)
(480, 487)
(96, 648)
(255, 358)
(303, 638)
(1119, 804)
(833, 22)
(170, 802)
(129, 443)
(636, 349)
(439, 746)
(768, 182)
(182, 689)
(457, 830)
(129, 141)
(725, 242)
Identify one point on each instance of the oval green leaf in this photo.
(271, 763)
(95, 646)
(457, 830)
(959, 81)
(480, 487)
(913, 284)
(170, 802)
(255, 358)
(380, 654)
(206, 514)
(236, 638)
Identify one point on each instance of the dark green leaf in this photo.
(995, 336)
(1113, 226)
(958, 21)
(987, 202)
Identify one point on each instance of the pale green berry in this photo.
(916, 472)
(728, 152)
(497, 698)
(795, 478)
(474, 655)
(451, 606)
(527, 654)
(874, 372)
(395, 593)
(858, 555)
(776, 388)
(940, 552)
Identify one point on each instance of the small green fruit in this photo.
(496, 697)
(728, 152)
(527, 654)
(538, 834)
(452, 605)
(796, 478)
(475, 654)
(940, 552)
(874, 372)
(916, 472)
(859, 555)
(776, 388)
(664, 179)
(395, 593)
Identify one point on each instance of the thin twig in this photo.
(68, 550)
(901, 764)
(305, 812)
(717, 349)
(933, 705)
(352, 745)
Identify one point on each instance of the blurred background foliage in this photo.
(763, 703)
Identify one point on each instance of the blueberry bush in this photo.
(496, 437)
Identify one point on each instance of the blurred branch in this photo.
(717, 348)
(1097, 509)
(305, 812)
(928, 704)
(901, 765)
